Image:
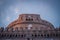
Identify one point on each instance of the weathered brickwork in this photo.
(29, 27)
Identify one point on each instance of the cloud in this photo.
(8, 19)
(16, 10)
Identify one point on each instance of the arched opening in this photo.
(28, 38)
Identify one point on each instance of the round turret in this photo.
(30, 22)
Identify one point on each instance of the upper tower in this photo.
(29, 17)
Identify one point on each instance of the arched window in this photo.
(2, 35)
(16, 35)
(47, 35)
(11, 29)
(22, 35)
(35, 35)
(37, 19)
(26, 28)
(41, 35)
(21, 18)
(10, 36)
(38, 35)
(21, 28)
(16, 29)
(28, 38)
(31, 27)
(53, 35)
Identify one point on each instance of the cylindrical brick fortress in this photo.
(30, 22)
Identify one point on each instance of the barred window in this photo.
(29, 19)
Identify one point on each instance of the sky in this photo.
(47, 9)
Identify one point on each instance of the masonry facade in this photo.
(29, 27)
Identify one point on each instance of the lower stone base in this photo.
(33, 39)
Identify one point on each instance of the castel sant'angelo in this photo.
(29, 27)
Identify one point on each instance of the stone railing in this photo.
(30, 33)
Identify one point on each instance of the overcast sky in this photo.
(48, 10)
